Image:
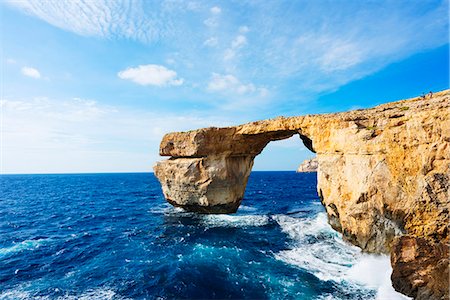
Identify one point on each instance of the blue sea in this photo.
(113, 236)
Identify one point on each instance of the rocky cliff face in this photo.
(383, 173)
(308, 166)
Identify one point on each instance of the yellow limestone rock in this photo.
(382, 172)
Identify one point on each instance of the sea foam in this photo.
(22, 246)
(92, 294)
(320, 250)
(235, 221)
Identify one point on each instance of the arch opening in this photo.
(284, 154)
(213, 177)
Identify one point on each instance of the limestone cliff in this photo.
(382, 173)
(308, 166)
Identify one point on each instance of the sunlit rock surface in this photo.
(382, 172)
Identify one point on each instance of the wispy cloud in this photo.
(230, 84)
(211, 42)
(151, 75)
(82, 135)
(213, 20)
(216, 10)
(143, 21)
(31, 72)
(237, 43)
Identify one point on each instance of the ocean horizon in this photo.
(120, 172)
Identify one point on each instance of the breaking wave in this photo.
(320, 250)
(235, 221)
(22, 246)
(95, 294)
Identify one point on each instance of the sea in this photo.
(113, 236)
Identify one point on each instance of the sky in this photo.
(92, 86)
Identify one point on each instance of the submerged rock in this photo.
(382, 172)
(308, 166)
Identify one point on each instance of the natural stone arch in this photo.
(212, 180)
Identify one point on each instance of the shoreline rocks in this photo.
(308, 166)
(420, 268)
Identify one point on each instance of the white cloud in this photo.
(230, 84)
(10, 61)
(151, 75)
(211, 22)
(73, 110)
(31, 72)
(144, 21)
(193, 6)
(236, 44)
(215, 10)
(211, 42)
(341, 56)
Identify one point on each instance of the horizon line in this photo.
(125, 172)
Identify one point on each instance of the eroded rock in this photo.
(308, 166)
(420, 268)
(212, 184)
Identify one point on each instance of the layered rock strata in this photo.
(382, 173)
(308, 166)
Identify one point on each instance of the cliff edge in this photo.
(383, 178)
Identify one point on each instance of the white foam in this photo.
(247, 208)
(313, 259)
(93, 294)
(17, 294)
(235, 221)
(320, 250)
(317, 247)
(22, 246)
(299, 228)
(374, 271)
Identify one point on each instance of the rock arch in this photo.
(209, 168)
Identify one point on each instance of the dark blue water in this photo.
(112, 236)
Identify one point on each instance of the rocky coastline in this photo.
(308, 166)
(383, 178)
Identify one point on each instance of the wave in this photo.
(247, 208)
(235, 221)
(93, 294)
(316, 247)
(320, 250)
(23, 246)
(374, 271)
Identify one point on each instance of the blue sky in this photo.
(92, 86)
